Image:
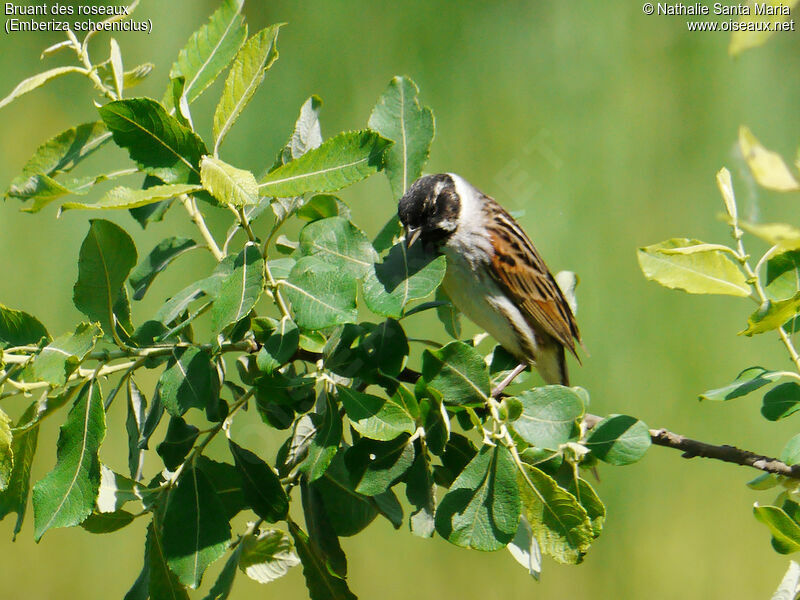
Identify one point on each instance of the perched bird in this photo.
(494, 275)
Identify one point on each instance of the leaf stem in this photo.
(190, 205)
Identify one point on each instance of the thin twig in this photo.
(197, 217)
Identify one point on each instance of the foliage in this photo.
(282, 336)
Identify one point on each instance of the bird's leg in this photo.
(509, 378)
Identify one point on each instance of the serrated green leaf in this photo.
(326, 440)
(38, 80)
(772, 315)
(591, 503)
(43, 190)
(549, 416)
(321, 295)
(15, 497)
(157, 142)
(106, 257)
(231, 186)
(248, 71)
(375, 466)
(405, 274)
(196, 529)
(707, 272)
(559, 523)
(240, 291)
(66, 495)
(59, 359)
(209, 50)
(18, 328)
(338, 242)
(458, 372)
(785, 530)
(267, 557)
(321, 583)
(159, 259)
(482, 508)
(122, 197)
(189, 381)
(399, 117)
(59, 154)
(376, 418)
(781, 401)
(619, 440)
(767, 167)
(340, 161)
(747, 381)
(262, 488)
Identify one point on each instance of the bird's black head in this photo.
(429, 209)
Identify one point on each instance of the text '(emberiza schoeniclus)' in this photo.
(494, 275)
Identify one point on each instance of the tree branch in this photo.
(695, 448)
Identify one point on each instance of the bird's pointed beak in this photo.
(412, 235)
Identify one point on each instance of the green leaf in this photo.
(162, 581)
(267, 557)
(525, 549)
(783, 275)
(44, 189)
(196, 530)
(591, 502)
(246, 74)
(374, 417)
(326, 440)
(121, 197)
(340, 161)
(159, 259)
(386, 347)
(549, 416)
(307, 134)
(66, 495)
(772, 315)
(227, 484)
(421, 493)
(375, 466)
(6, 451)
(709, 272)
(209, 50)
(458, 452)
(59, 154)
(323, 206)
(785, 530)
(482, 508)
(240, 291)
(781, 401)
(341, 244)
(320, 530)
(157, 142)
(747, 381)
(279, 347)
(321, 583)
(619, 440)
(231, 186)
(348, 511)
(458, 372)
(115, 491)
(107, 522)
(399, 117)
(38, 80)
(224, 584)
(18, 328)
(448, 315)
(23, 446)
(321, 295)
(189, 381)
(405, 274)
(261, 486)
(559, 523)
(767, 167)
(177, 443)
(59, 359)
(106, 258)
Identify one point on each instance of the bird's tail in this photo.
(551, 363)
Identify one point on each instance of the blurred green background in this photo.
(603, 129)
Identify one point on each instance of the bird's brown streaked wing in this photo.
(517, 266)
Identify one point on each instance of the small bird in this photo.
(494, 274)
